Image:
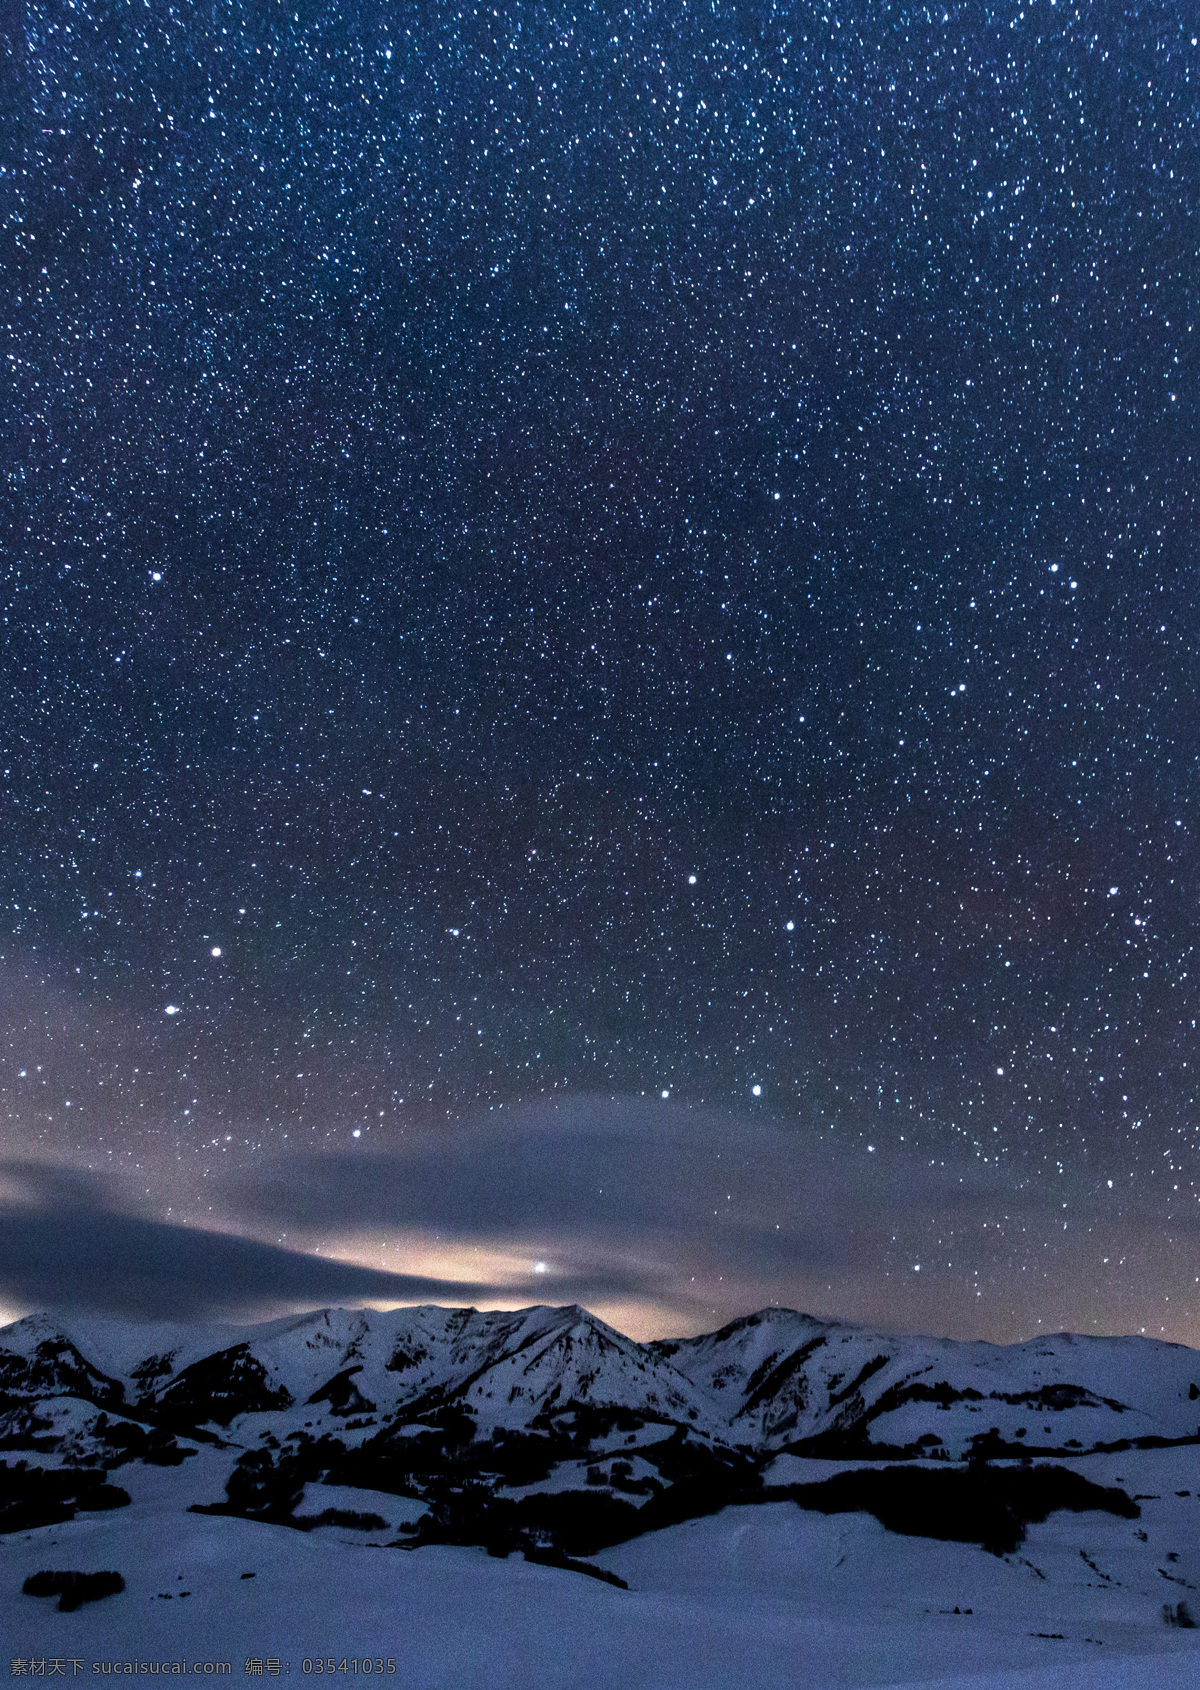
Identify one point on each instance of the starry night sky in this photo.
(600, 657)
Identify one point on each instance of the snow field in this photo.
(755, 1598)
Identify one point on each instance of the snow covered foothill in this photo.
(759, 1597)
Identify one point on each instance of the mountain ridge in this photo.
(769, 1381)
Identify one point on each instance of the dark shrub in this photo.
(579, 1522)
(99, 1497)
(73, 1589)
(46, 1496)
(471, 1514)
(370, 1468)
(44, 1583)
(986, 1505)
(167, 1454)
(553, 1558)
(345, 1517)
(522, 1458)
(128, 1440)
(263, 1488)
(267, 1486)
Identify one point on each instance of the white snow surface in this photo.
(755, 1597)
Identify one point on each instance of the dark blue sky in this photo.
(470, 471)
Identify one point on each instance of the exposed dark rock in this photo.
(219, 1388)
(57, 1369)
(872, 1367)
(147, 1373)
(343, 1395)
(768, 1379)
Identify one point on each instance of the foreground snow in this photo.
(755, 1596)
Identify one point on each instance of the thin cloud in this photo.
(66, 1243)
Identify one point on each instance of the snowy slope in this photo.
(778, 1378)
(751, 1599)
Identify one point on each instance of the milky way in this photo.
(607, 555)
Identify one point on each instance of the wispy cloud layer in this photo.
(663, 1217)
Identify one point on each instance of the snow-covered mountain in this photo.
(777, 1379)
(505, 1368)
(770, 1382)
